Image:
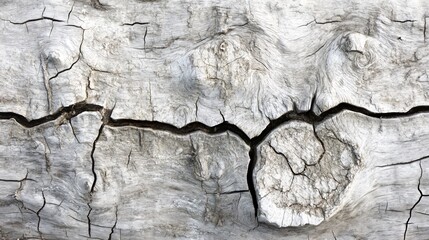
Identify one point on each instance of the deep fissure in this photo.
(295, 115)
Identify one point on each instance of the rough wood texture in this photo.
(214, 119)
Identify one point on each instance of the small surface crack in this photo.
(404, 163)
(78, 57)
(136, 23)
(71, 10)
(33, 20)
(38, 213)
(320, 23)
(93, 159)
(403, 21)
(114, 225)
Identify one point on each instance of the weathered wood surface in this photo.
(214, 119)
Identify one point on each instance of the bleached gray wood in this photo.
(168, 64)
(362, 186)
(181, 62)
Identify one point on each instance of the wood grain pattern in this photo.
(214, 119)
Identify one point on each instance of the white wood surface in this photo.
(150, 119)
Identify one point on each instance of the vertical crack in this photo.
(250, 183)
(415, 204)
(150, 101)
(89, 219)
(106, 118)
(333, 234)
(38, 213)
(92, 158)
(321, 142)
(144, 39)
(71, 10)
(46, 83)
(114, 225)
(74, 133)
(88, 85)
(129, 158)
(94, 174)
(424, 28)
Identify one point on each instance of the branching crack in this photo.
(308, 117)
(18, 181)
(417, 202)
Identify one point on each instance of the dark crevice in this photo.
(295, 115)
(187, 129)
(250, 183)
(311, 118)
(69, 112)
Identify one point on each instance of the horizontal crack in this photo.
(187, 129)
(135, 23)
(34, 20)
(18, 181)
(228, 193)
(70, 112)
(307, 116)
(404, 163)
(312, 118)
